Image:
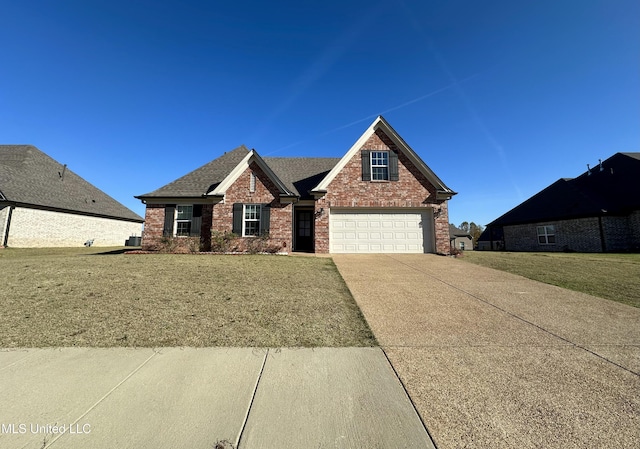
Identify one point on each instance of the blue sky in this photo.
(500, 98)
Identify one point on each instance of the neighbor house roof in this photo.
(457, 232)
(29, 177)
(610, 188)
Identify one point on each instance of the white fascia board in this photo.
(232, 176)
(381, 123)
(252, 156)
(322, 187)
(414, 158)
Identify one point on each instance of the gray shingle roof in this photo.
(30, 177)
(299, 175)
(453, 230)
(201, 180)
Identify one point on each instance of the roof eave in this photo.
(252, 156)
(381, 123)
(445, 194)
(77, 212)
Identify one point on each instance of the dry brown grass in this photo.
(610, 276)
(84, 297)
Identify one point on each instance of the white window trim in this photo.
(252, 182)
(546, 234)
(181, 220)
(245, 220)
(379, 166)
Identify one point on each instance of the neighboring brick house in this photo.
(599, 211)
(379, 197)
(44, 204)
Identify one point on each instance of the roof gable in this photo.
(380, 124)
(240, 168)
(292, 176)
(31, 178)
(202, 180)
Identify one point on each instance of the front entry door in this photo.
(304, 230)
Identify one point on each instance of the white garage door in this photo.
(377, 231)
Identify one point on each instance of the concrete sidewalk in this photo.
(494, 360)
(199, 398)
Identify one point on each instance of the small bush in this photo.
(224, 242)
(261, 244)
(180, 244)
(457, 252)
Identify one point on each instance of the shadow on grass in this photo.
(117, 251)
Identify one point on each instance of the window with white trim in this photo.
(251, 220)
(547, 235)
(184, 216)
(379, 165)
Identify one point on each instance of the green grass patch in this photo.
(102, 298)
(610, 276)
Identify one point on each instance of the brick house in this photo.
(379, 197)
(44, 204)
(599, 211)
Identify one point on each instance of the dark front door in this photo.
(304, 230)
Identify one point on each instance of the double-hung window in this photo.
(251, 220)
(547, 235)
(182, 220)
(379, 165)
(184, 217)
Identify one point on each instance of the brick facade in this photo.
(412, 190)
(634, 225)
(280, 234)
(592, 234)
(39, 228)
(153, 226)
(218, 217)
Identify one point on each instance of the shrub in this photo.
(260, 244)
(180, 244)
(224, 242)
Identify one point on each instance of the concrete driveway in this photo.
(494, 360)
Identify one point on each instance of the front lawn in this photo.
(100, 298)
(610, 276)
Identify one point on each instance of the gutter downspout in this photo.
(603, 243)
(7, 224)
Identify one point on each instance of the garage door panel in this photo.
(380, 231)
